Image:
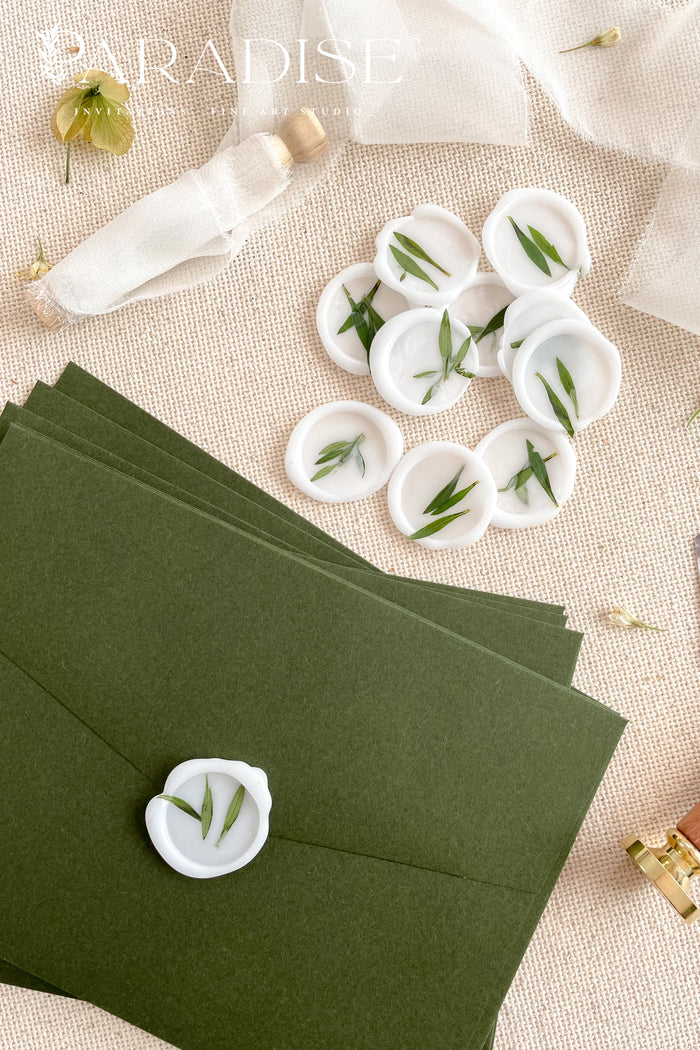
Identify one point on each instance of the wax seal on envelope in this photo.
(212, 817)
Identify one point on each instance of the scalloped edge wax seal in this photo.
(505, 460)
(343, 422)
(564, 228)
(345, 348)
(424, 472)
(583, 364)
(445, 239)
(177, 836)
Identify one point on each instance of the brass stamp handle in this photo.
(671, 866)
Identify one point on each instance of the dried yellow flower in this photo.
(94, 110)
(624, 618)
(607, 39)
(38, 268)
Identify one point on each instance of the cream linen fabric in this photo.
(235, 363)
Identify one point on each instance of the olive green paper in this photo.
(112, 539)
(87, 389)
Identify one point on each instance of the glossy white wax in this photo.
(343, 421)
(504, 451)
(445, 239)
(333, 309)
(177, 836)
(407, 345)
(553, 216)
(528, 312)
(477, 305)
(592, 361)
(421, 474)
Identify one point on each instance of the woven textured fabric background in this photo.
(234, 365)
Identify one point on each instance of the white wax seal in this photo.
(344, 450)
(410, 364)
(338, 334)
(522, 499)
(215, 817)
(429, 256)
(525, 314)
(536, 239)
(482, 309)
(561, 357)
(442, 495)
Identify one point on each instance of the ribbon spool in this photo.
(671, 866)
(201, 215)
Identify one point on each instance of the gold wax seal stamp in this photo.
(672, 866)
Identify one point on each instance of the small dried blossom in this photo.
(609, 38)
(38, 269)
(622, 617)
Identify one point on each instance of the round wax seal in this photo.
(442, 495)
(571, 364)
(536, 239)
(525, 314)
(524, 500)
(429, 256)
(482, 309)
(422, 361)
(345, 342)
(212, 817)
(345, 450)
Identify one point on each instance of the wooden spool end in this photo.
(303, 135)
(690, 826)
(46, 315)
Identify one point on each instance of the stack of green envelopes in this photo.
(429, 763)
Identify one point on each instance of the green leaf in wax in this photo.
(357, 320)
(181, 804)
(530, 248)
(424, 375)
(540, 470)
(411, 266)
(462, 352)
(435, 526)
(340, 451)
(452, 501)
(207, 808)
(445, 343)
(420, 253)
(568, 384)
(544, 245)
(557, 406)
(519, 480)
(429, 393)
(517, 344)
(324, 471)
(493, 325)
(444, 493)
(232, 813)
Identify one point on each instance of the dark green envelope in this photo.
(62, 648)
(80, 386)
(538, 645)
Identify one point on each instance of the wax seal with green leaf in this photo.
(211, 818)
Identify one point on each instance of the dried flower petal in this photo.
(95, 110)
(609, 38)
(622, 617)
